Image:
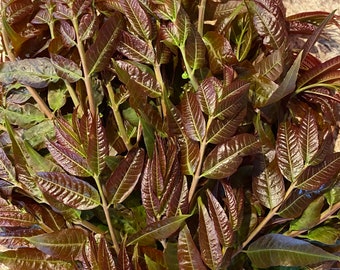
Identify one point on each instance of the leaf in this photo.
(158, 230)
(296, 203)
(7, 170)
(98, 147)
(220, 221)
(125, 177)
(269, 23)
(288, 84)
(310, 217)
(80, 6)
(65, 244)
(222, 130)
(326, 234)
(66, 68)
(313, 177)
(195, 50)
(309, 137)
(105, 258)
(268, 183)
(210, 248)
(16, 239)
(313, 38)
(288, 151)
(69, 190)
(16, 218)
(136, 49)
(30, 258)
(140, 21)
(70, 161)
(88, 25)
(225, 158)
(207, 94)
(271, 66)
(99, 54)
(275, 249)
(192, 116)
(16, 39)
(35, 72)
(189, 258)
(220, 52)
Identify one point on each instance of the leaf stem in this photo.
(200, 163)
(118, 117)
(106, 207)
(87, 77)
(201, 12)
(190, 72)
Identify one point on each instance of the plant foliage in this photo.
(166, 134)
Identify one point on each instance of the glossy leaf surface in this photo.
(276, 249)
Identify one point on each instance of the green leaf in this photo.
(65, 244)
(268, 183)
(69, 190)
(189, 258)
(35, 72)
(56, 96)
(288, 151)
(158, 230)
(310, 217)
(140, 20)
(30, 259)
(192, 116)
(99, 54)
(313, 177)
(125, 177)
(326, 234)
(275, 249)
(225, 158)
(210, 247)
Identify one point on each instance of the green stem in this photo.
(196, 177)
(87, 77)
(106, 207)
(74, 97)
(118, 118)
(159, 79)
(311, 86)
(190, 72)
(201, 12)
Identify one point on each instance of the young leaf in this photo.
(16, 218)
(195, 50)
(88, 25)
(208, 238)
(276, 249)
(271, 66)
(232, 204)
(69, 190)
(288, 151)
(125, 177)
(159, 229)
(65, 244)
(140, 21)
(7, 170)
(189, 258)
(104, 256)
(98, 147)
(192, 116)
(136, 49)
(225, 158)
(70, 161)
(268, 183)
(220, 220)
(99, 54)
(66, 68)
(313, 177)
(35, 72)
(207, 94)
(31, 258)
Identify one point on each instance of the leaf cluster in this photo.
(166, 134)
